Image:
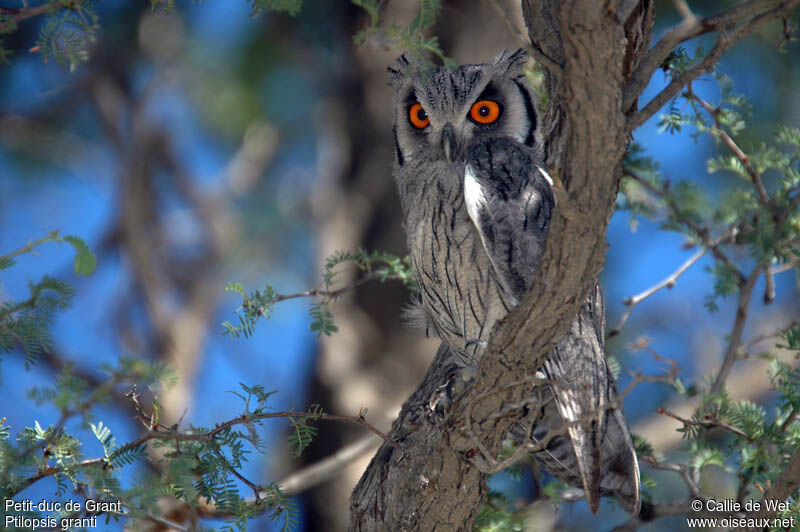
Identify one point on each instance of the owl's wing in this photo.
(510, 201)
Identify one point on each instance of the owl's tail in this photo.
(586, 399)
(619, 467)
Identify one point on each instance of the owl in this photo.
(477, 204)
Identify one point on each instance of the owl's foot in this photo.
(474, 347)
(455, 384)
(476, 342)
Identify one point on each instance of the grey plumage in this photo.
(477, 205)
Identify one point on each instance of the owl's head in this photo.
(439, 114)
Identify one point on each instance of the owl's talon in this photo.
(477, 345)
(439, 401)
(455, 384)
(476, 341)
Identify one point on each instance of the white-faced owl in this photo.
(477, 204)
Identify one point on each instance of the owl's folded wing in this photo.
(510, 200)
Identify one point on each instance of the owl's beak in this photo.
(447, 141)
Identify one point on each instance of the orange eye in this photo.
(485, 111)
(418, 116)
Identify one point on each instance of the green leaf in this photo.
(6, 263)
(642, 446)
(322, 320)
(85, 261)
(292, 7)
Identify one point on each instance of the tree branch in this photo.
(701, 232)
(786, 485)
(706, 422)
(22, 14)
(158, 431)
(745, 291)
(327, 468)
(689, 27)
(725, 41)
(735, 149)
(300, 481)
(669, 281)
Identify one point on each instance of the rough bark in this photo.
(427, 478)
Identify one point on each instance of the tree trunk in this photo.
(426, 479)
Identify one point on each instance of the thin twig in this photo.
(49, 471)
(23, 14)
(735, 340)
(28, 248)
(158, 431)
(706, 422)
(256, 488)
(785, 267)
(667, 282)
(688, 474)
(735, 149)
(328, 293)
(701, 232)
(761, 337)
(299, 481)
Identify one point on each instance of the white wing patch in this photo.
(473, 195)
(545, 175)
(474, 198)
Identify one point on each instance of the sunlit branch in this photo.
(701, 232)
(735, 149)
(745, 291)
(706, 422)
(667, 282)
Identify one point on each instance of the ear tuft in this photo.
(398, 72)
(511, 63)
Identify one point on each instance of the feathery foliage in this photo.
(26, 324)
(408, 38)
(766, 225)
(69, 28)
(373, 266)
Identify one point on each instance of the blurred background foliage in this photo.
(191, 144)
